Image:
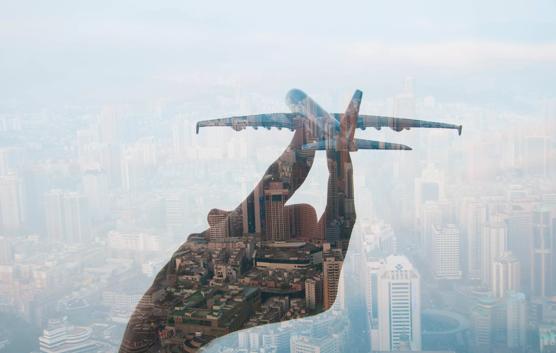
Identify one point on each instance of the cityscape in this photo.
(452, 250)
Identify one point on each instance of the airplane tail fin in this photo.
(348, 122)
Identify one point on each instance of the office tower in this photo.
(542, 253)
(219, 223)
(473, 217)
(67, 216)
(251, 211)
(96, 189)
(11, 204)
(332, 266)
(313, 292)
(428, 187)
(506, 275)
(77, 221)
(277, 219)
(306, 344)
(399, 304)
(446, 252)
(431, 215)
(547, 338)
(374, 266)
(516, 320)
(487, 319)
(520, 230)
(494, 243)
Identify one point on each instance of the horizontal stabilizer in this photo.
(358, 144)
(379, 145)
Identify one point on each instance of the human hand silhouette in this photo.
(251, 260)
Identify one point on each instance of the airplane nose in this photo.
(295, 96)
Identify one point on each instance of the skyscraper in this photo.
(67, 216)
(431, 215)
(494, 243)
(251, 212)
(542, 253)
(332, 266)
(77, 221)
(473, 218)
(516, 320)
(506, 275)
(11, 203)
(95, 188)
(313, 292)
(446, 252)
(277, 219)
(399, 304)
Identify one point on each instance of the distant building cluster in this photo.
(453, 249)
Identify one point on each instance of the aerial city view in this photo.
(277, 177)
(89, 224)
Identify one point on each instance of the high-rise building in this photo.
(428, 187)
(543, 272)
(77, 219)
(474, 215)
(399, 304)
(251, 212)
(219, 223)
(313, 292)
(516, 320)
(67, 216)
(484, 320)
(11, 203)
(494, 243)
(374, 266)
(446, 252)
(505, 275)
(520, 231)
(277, 219)
(96, 190)
(307, 344)
(431, 215)
(332, 268)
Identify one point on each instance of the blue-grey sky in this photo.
(70, 52)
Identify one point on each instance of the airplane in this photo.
(330, 131)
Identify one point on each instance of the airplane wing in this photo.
(399, 124)
(278, 120)
(358, 144)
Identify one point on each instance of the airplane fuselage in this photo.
(324, 126)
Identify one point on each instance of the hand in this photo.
(262, 217)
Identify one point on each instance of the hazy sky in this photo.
(65, 52)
